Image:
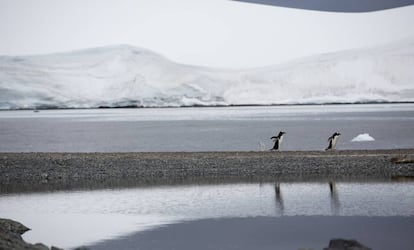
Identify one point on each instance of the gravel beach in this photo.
(21, 172)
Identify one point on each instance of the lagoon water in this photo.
(206, 129)
(374, 213)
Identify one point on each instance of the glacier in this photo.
(127, 76)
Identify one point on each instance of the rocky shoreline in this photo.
(11, 239)
(21, 172)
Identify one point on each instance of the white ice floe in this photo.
(363, 137)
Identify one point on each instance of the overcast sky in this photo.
(216, 33)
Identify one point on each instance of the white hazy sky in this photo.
(216, 33)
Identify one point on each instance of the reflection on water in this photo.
(335, 205)
(334, 199)
(279, 199)
(114, 212)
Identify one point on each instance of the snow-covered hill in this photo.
(129, 76)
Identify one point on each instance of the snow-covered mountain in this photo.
(129, 76)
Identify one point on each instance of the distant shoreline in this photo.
(205, 106)
(22, 172)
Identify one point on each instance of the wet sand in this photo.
(21, 172)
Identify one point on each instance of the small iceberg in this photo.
(363, 137)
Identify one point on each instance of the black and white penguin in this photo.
(332, 141)
(278, 140)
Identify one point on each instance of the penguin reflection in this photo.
(279, 198)
(335, 204)
(334, 199)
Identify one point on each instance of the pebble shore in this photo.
(37, 171)
(11, 239)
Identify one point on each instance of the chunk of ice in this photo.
(363, 137)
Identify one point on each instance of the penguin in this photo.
(332, 141)
(278, 140)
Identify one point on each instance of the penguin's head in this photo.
(337, 134)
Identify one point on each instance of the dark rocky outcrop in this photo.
(11, 239)
(13, 226)
(341, 244)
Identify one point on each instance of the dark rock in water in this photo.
(341, 244)
(11, 239)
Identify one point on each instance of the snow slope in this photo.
(129, 76)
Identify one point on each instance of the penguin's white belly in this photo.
(334, 141)
(280, 139)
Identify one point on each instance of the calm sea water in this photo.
(71, 219)
(206, 129)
